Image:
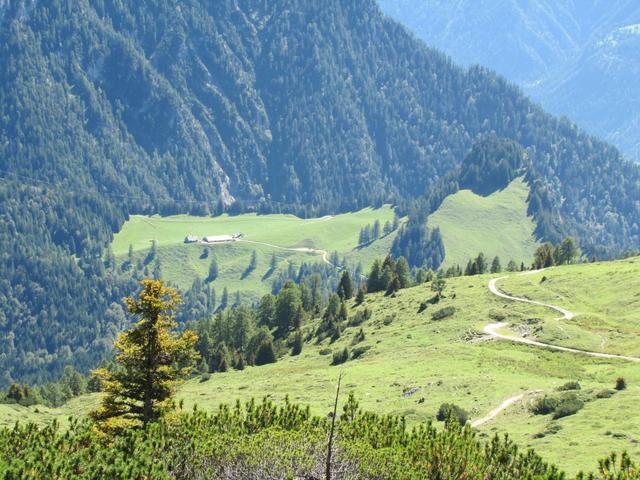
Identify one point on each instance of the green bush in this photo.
(360, 317)
(443, 313)
(205, 377)
(569, 386)
(568, 405)
(325, 351)
(544, 405)
(605, 393)
(340, 357)
(360, 351)
(452, 410)
(358, 337)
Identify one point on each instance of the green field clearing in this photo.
(496, 225)
(449, 361)
(181, 263)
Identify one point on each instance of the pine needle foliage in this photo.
(150, 362)
(266, 441)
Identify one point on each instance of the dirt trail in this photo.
(492, 329)
(314, 251)
(503, 406)
(566, 314)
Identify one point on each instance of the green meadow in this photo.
(268, 235)
(605, 298)
(497, 224)
(414, 363)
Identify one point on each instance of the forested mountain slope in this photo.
(109, 108)
(578, 58)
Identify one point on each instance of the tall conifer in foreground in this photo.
(150, 362)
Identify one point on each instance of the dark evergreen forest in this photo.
(109, 107)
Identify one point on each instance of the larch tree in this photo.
(151, 360)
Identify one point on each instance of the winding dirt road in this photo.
(503, 406)
(315, 251)
(492, 329)
(566, 314)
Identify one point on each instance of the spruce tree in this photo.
(345, 287)
(567, 251)
(394, 286)
(150, 362)
(221, 359)
(213, 270)
(265, 353)
(296, 349)
(211, 300)
(396, 222)
(480, 264)
(375, 231)
(373, 282)
(495, 265)
(544, 256)
(287, 304)
(470, 269)
(403, 272)
(240, 362)
(157, 270)
(344, 313)
(267, 311)
(361, 295)
(224, 302)
(153, 252)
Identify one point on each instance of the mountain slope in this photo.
(408, 362)
(109, 108)
(497, 224)
(578, 58)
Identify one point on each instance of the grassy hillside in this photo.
(496, 225)
(266, 234)
(605, 298)
(10, 414)
(451, 361)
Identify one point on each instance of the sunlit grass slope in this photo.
(605, 297)
(496, 225)
(450, 361)
(181, 263)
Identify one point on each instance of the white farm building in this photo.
(218, 239)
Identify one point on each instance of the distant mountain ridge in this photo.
(579, 58)
(111, 107)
